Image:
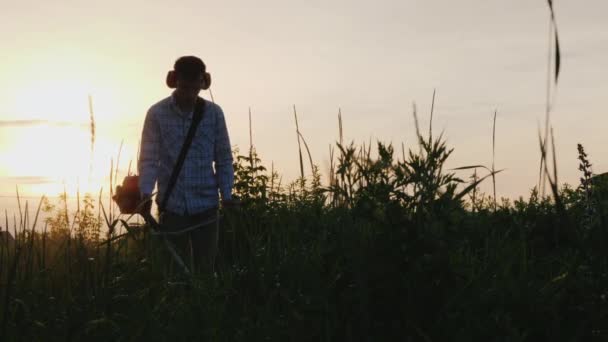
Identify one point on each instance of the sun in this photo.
(63, 156)
(54, 100)
(52, 90)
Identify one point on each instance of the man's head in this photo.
(188, 77)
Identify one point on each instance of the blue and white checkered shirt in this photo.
(165, 129)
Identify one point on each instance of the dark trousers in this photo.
(198, 247)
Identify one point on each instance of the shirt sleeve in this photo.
(148, 162)
(223, 157)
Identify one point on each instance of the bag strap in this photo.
(197, 117)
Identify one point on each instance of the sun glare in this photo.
(63, 155)
(57, 100)
(53, 87)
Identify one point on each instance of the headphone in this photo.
(172, 80)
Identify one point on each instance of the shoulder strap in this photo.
(197, 117)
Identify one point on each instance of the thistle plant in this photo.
(586, 187)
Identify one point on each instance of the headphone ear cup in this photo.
(206, 81)
(171, 79)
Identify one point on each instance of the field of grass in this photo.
(392, 249)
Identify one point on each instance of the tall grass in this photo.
(386, 251)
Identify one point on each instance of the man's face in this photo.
(189, 88)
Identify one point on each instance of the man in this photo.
(194, 198)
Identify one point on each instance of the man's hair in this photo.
(189, 68)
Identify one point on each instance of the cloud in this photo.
(21, 123)
(27, 180)
(29, 123)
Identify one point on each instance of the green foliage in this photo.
(390, 249)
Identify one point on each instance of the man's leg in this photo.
(170, 223)
(205, 242)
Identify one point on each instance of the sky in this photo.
(371, 60)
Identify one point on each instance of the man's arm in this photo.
(149, 154)
(223, 158)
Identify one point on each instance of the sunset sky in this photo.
(372, 59)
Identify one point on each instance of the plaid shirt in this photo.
(164, 132)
